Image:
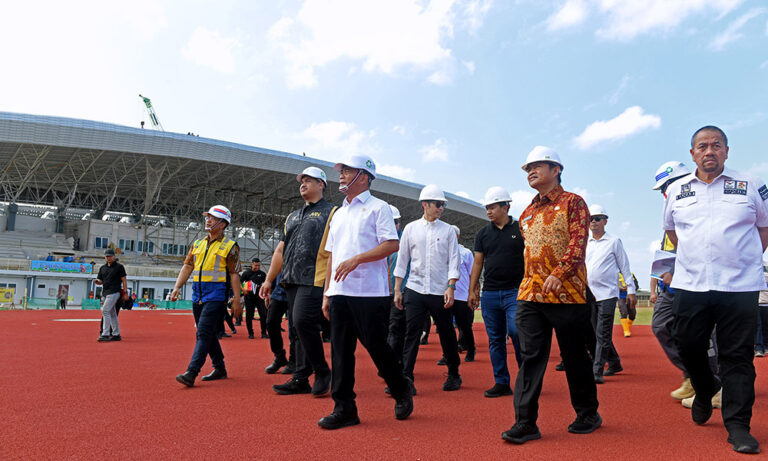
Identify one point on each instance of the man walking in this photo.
(302, 258)
(253, 302)
(605, 260)
(498, 252)
(718, 218)
(112, 277)
(463, 314)
(362, 235)
(215, 262)
(431, 248)
(553, 294)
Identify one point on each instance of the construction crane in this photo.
(152, 115)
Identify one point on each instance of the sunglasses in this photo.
(596, 218)
(438, 204)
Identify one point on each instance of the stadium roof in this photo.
(71, 163)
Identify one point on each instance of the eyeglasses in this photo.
(596, 218)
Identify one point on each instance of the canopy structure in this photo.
(74, 164)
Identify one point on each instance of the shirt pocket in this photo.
(735, 208)
(685, 211)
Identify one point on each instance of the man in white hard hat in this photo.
(362, 234)
(432, 249)
(215, 262)
(302, 258)
(498, 253)
(718, 218)
(553, 295)
(463, 314)
(397, 322)
(662, 296)
(605, 260)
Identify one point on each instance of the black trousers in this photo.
(602, 322)
(277, 309)
(307, 311)
(417, 308)
(535, 322)
(252, 303)
(464, 317)
(733, 316)
(397, 325)
(363, 318)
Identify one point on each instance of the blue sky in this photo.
(452, 92)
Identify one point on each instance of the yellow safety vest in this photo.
(211, 260)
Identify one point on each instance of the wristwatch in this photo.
(452, 285)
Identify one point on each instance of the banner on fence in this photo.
(55, 266)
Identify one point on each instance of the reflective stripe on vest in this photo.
(211, 261)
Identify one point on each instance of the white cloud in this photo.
(399, 129)
(624, 227)
(207, 48)
(572, 13)
(397, 171)
(583, 193)
(614, 98)
(385, 36)
(520, 200)
(764, 65)
(733, 32)
(626, 19)
(653, 246)
(461, 193)
(332, 140)
(436, 152)
(470, 66)
(629, 122)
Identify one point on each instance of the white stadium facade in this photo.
(71, 188)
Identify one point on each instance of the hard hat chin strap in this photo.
(346, 188)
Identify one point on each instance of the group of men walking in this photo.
(541, 274)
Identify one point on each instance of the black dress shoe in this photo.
(337, 421)
(452, 383)
(187, 379)
(322, 383)
(250, 335)
(613, 370)
(470, 356)
(743, 442)
(104, 339)
(599, 379)
(521, 433)
(264, 336)
(411, 386)
(115, 338)
(586, 425)
(404, 406)
(293, 386)
(442, 361)
(217, 373)
(289, 368)
(560, 366)
(498, 390)
(279, 362)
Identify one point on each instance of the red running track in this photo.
(63, 395)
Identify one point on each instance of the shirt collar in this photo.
(603, 237)
(727, 173)
(424, 221)
(312, 205)
(551, 196)
(362, 197)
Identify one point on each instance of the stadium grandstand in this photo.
(71, 188)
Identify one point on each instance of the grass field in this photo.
(643, 316)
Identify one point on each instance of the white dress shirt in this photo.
(605, 259)
(359, 226)
(433, 251)
(718, 246)
(462, 285)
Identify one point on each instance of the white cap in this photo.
(668, 172)
(219, 211)
(361, 162)
(543, 154)
(496, 194)
(456, 229)
(432, 192)
(312, 172)
(597, 210)
(395, 211)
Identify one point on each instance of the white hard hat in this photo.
(395, 212)
(432, 192)
(496, 194)
(597, 210)
(456, 229)
(543, 154)
(361, 162)
(219, 211)
(312, 172)
(668, 172)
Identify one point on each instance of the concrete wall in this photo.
(30, 223)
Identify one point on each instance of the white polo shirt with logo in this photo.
(719, 246)
(358, 226)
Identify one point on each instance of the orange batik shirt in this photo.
(556, 230)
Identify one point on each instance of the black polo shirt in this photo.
(502, 251)
(257, 278)
(111, 278)
(304, 261)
